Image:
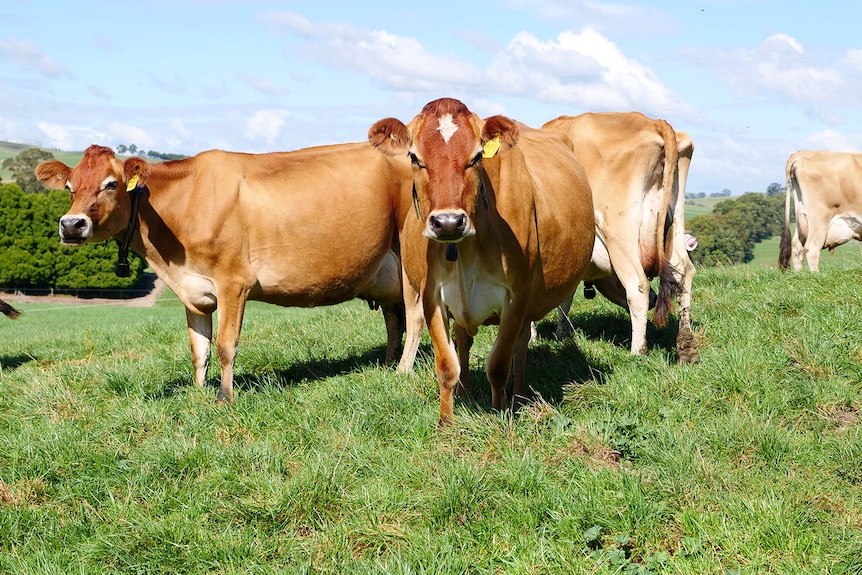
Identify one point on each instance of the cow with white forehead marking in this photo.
(503, 231)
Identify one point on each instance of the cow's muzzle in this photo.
(75, 229)
(449, 226)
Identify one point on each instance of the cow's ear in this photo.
(499, 134)
(390, 136)
(136, 171)
(53, 174)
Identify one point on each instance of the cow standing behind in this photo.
(305, 228)
(826, 188)
(503, 231)
(637, 169)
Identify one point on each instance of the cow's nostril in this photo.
(448, 225)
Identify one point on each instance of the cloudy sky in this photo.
(751, 80)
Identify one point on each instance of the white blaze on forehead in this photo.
(447, 127)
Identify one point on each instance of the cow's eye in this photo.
(111, 186)
(477, 159)
(414, 159)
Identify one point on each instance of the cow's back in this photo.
(624, 157)
(304, 228)
(835, 178)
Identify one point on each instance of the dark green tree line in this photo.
(728, 235)
(31, 255)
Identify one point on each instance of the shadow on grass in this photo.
(616, 328)
(551, 367)
(14, 362)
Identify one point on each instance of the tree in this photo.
(23, 168)
(121, 149)
(31, 254)
(774, 189)
(717, 243)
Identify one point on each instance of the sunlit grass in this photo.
(330, 462)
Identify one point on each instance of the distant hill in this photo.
(11, 149)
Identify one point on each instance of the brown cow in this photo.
(304, 228)
(503, 231)
(827, 190)
(637, 169)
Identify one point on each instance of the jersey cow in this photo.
(826, 188)
(503, 231)
(637, 169)
(305, 228)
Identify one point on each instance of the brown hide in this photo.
(304, 228)
(637, 168)
(826, 188)
(498, 239)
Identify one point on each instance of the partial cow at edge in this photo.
(502, 232)
(306, 228)
(826, 188)
(637, 167)
(8, 310)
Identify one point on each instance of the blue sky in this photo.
(751, 80)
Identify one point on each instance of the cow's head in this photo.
(447, 145)
(97, 187)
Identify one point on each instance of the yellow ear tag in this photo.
(133, 183)
(491, 147)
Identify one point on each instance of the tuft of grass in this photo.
(330, 462)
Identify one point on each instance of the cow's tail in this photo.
(8, 310)
(669, 286)
(784, 250)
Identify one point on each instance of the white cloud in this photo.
(584, 70)
(266, 125)
(836, 141)
(27, 54)
(780, 68)
(69, 137)
(262, 85)
(179, 127)
(127, 134)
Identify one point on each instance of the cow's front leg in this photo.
(499, 364)
(230, 313)
(200, 337)
(519, 367)
(445, 361)
(463, 343)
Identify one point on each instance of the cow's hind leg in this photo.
(394, 316)
(565, 329)
(686, 344)
(200, 337)
(414, 322)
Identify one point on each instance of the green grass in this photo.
(702, 206)
(328, 462)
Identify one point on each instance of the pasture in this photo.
(328, 462)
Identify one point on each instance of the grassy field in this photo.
(328, 462)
